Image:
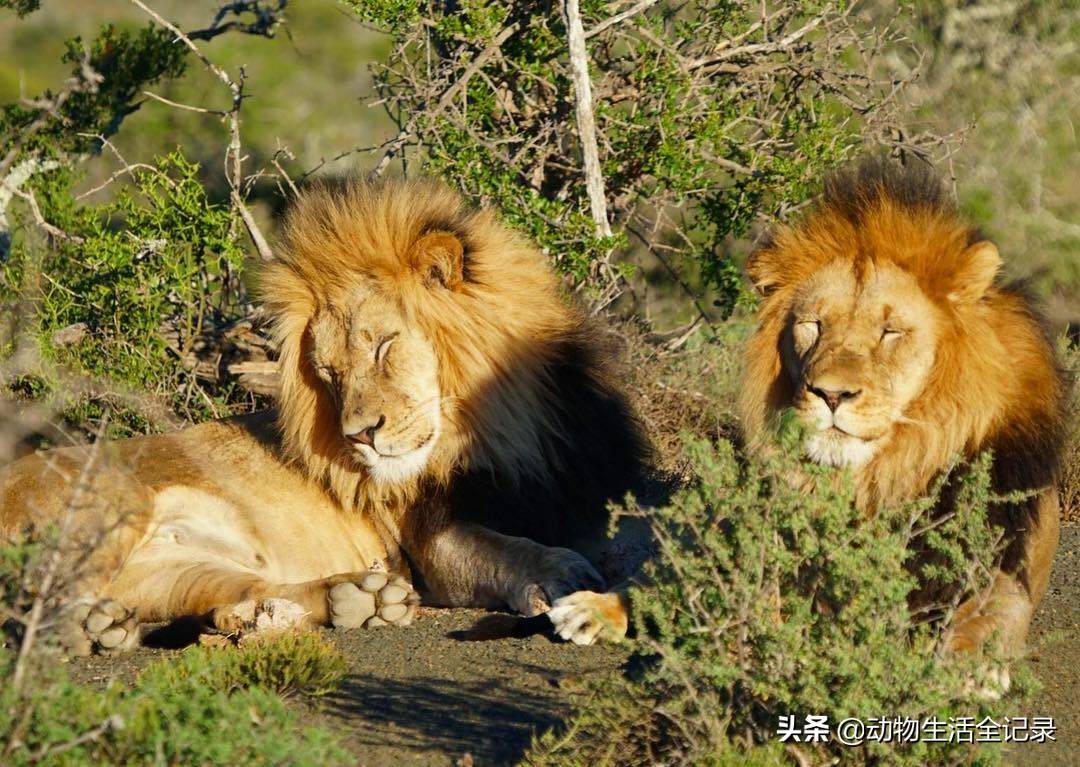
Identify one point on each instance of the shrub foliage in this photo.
(768, 601)
(204, 707)
(706, 118)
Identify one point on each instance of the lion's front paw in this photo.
(103, 626)
(585, 616)
(988, 681)
(555, 573)
(372, 599)
(256, 616)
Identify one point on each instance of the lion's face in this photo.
(382, 373)
(416, 339)
(858, 350)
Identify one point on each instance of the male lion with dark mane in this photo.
(445, 415)
(886, 327)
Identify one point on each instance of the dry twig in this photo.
(234, 151)
(579, 68)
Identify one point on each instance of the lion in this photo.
(447, 419)
(884, 324)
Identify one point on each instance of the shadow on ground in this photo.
(492, 720)
(421, 697)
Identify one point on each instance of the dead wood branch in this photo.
(579, 68)
(267, 18)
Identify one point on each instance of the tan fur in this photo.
(418, 342)
(883, 302)
(193, 520)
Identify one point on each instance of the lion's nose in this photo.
(833, 397)
(366, 436)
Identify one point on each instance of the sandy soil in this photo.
(422, 697)
(1055, 658)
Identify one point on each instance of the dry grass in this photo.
(689, 390)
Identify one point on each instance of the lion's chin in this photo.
(832, 447)
(391, 470)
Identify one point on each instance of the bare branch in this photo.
(267, 19)
(252, 228)
(218, 72)
(619, 18)
(49, 229)
(49, 576)
(186, 107)
(233, 159)
(759, 48)
(111, 723)
(579, 68)
(276, 160)
(9, 185)
(125, 171)
(409, 132)
(87, 80)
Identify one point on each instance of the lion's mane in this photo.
(539, 434)
(994, 384)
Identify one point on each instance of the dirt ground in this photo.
(419, 696)
(1055, 659)
(422, 697)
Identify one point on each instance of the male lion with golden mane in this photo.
(885, 326)
(444, 415)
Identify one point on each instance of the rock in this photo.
(278, 614)
(72, 335)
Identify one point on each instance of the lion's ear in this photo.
(764, 271)
(439, 258)
(979, 268)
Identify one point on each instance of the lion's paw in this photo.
(585, 616)
(103, 626)
(372, 599)
(555, 573)
(988, 682)
(256, 616)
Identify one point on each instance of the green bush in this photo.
(202, 707)
(143, 276)
(119, 282)
(770, 602)
(704, 121)
(289, 663)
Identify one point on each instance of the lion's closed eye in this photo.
(806, 332)
(382, 349)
